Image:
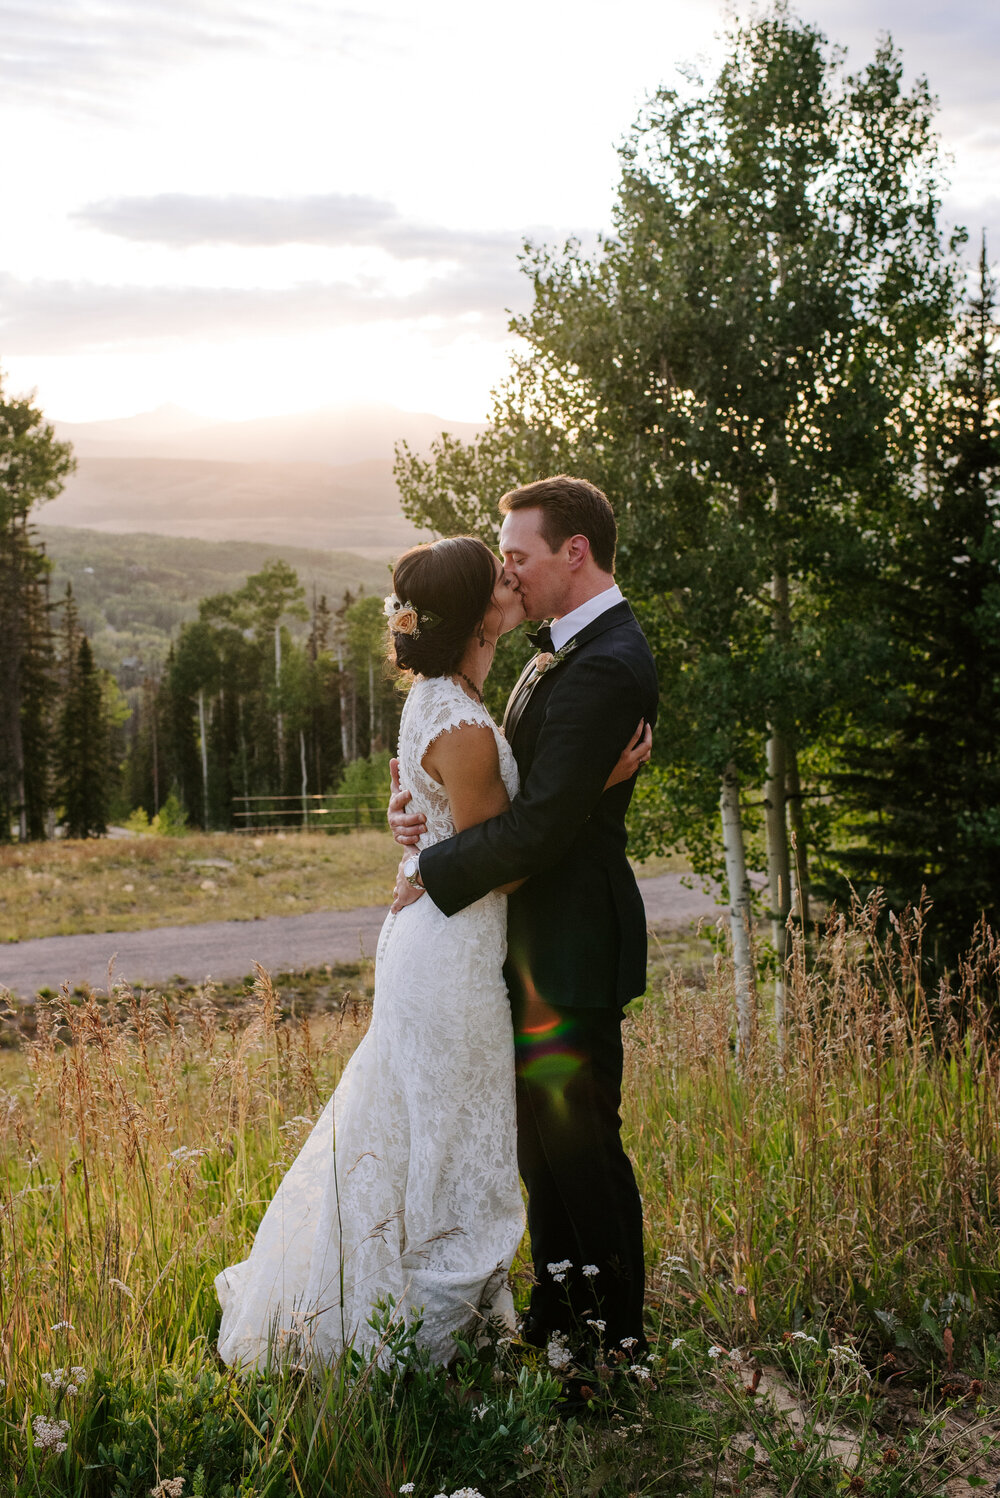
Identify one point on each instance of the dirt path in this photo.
(228, 949)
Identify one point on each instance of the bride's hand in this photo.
(406, 827)
(405, 892)
(635, 754)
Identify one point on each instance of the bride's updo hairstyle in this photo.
(449, 584)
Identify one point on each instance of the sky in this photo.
(253, 207)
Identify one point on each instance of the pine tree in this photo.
(924, 797)
(33, 466)
(83, 757)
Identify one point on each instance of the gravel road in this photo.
(228, 949)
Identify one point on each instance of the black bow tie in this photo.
(541, 638)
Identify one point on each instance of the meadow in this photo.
(134, 883)
(822, 1232)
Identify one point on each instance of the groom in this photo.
(576, 949)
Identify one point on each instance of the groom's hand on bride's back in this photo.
(406, 827)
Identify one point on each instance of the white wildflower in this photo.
(677, 1342)
(407, 1487)
(803, 1337)
(590, 1270)
(65, 1380)
(557, 1352)
(466, 1493)
(170, 1487)
(558, 1270)
(717, 1352)
(184, 1155)
(674, 1264)
(628, 1343)
(50, 1435)
(638, 1371)
(63, 1326)
(599, 1326)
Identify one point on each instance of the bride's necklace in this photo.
(471, 684)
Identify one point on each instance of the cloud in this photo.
(89, 55)
(181, 220)
(60, 317)
(955, 46)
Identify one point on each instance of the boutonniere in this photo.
(547, 660)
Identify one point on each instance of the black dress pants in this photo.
(584, 1210)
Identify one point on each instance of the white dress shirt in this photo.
(569, 625)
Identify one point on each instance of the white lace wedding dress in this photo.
(407, 1186)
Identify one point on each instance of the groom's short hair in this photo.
(570, 507)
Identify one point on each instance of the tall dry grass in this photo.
(849, 1179)
(856, 1167)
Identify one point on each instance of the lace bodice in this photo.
(436, 705)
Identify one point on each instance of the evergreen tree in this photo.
(33, 466)
(83, 758)
(923, 798)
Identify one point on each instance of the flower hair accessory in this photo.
(405, 618)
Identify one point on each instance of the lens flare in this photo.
(545, 1055)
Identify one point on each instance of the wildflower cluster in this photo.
(170, 1487)
(49, 1435)
(558, 1270)
(65, 1380)
(557, 1352)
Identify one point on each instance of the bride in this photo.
(406, 1194)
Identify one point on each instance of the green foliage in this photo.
(171, 819)
(83, 752)
(919, 793)
(33, 467)
(368, 781)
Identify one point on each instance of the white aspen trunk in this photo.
(797, 823)
(154, 735)
(740, 914)
(281, 721)
(345, 743)
(305, 778)
(204, 755)
(371, 704)
(778, 874)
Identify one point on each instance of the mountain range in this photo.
(318, 478)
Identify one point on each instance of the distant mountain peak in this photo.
(331, 434)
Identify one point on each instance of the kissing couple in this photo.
(516, 938)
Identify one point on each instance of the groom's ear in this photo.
(577, 552)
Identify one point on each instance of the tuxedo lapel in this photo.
(619, 614)
(516, 700)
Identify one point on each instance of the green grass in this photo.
(822, 1235)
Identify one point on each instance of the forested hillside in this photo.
(134, 591)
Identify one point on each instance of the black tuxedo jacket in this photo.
(576, 931)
